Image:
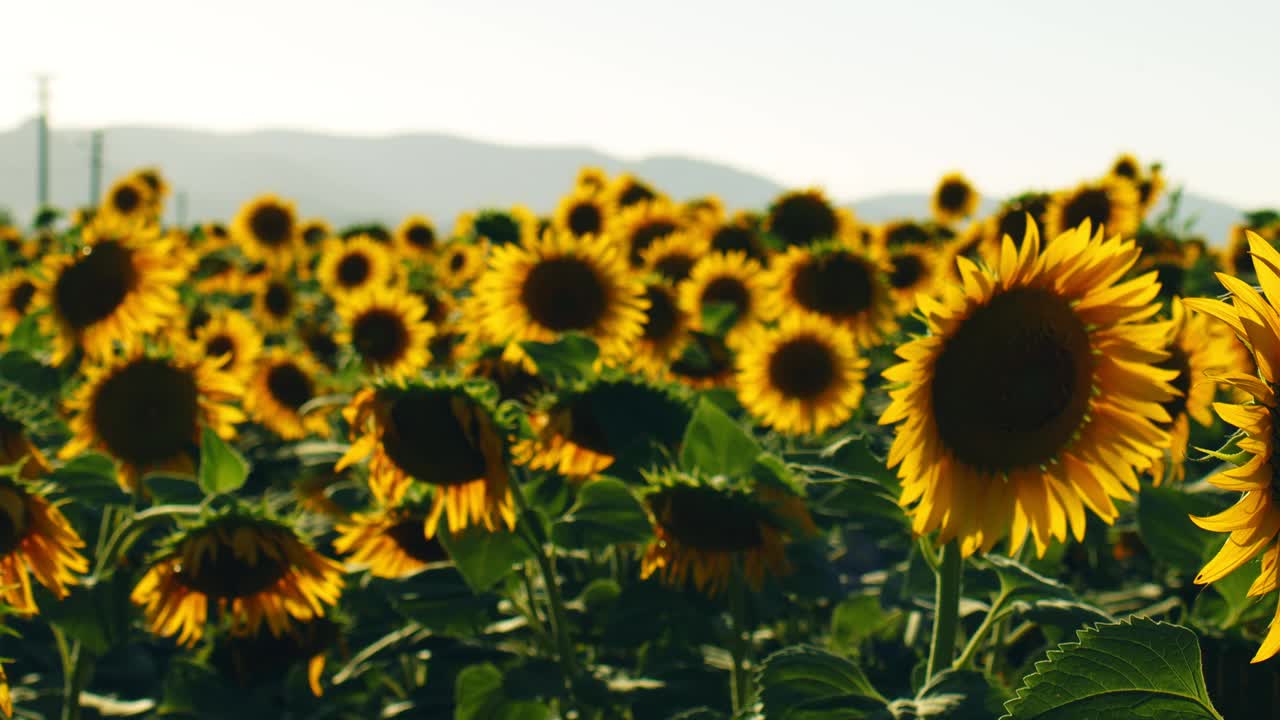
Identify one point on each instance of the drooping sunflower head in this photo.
(416, 238)
(592, 179)
(741, 233)
(560, 284)
(912, 271)
(460, 262)
(673, 256)
(1109, 205)
(281, 384)
(497, 227)
(703, 527)
(583, 212)
(639, 226)
(725, 283)
(121, 285)
(390, 542)
(17, 290)
(388, 330)
(230, 339)
(267, 229)
(1035, 395)
(246, 567)
(954, 199)
(147, 410)
(1150, 188)
(802, 217)
(1125, 167)
(35, 540)
(353, 266)
(839, 283)
(803, 377)
(626, 190)
(665, 331)
(444, 435)
(275, 302)
(1011, 220)
(129, 201)
(263, 658)
(16, 446)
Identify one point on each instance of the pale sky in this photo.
(858, 97)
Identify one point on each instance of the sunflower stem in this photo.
(946, 609)
(740, 679)
(73, 675)
(971, 648)
(127, 531)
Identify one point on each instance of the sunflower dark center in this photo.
(146, 411)
(675, 266)
(312, 235)
(705, 519)
(278, 299)
(272, 225)
(421, 236)
(218, 231)
(1013, 218)
(425, 438)
(322, 345)
(564, 294)
(1011, 387)
(953, 195)
(220, 345)
(1145, 189)
(223, 574)
(499, 227)
(1125, 169)
(1242, 259)
(635, 193)
(126, 199)
(663, 317)
(838, 285)
(13, 520)
(802, 368)
(151, 179)
(585, 219)
(353, 270)
(730, 238)
(457, 261)
(906, 233)
(802, 218)
(90, 289)
(1092, 204)
(289, 385)
(728, 290)
(409, 535)
(644, 236)
(584, 428)
(906, 271)
(20, 296)
(198, 318)
(1178, 360)
(380, 336)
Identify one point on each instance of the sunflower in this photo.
(153, 179)
(252, 569)
(1150, 188)
(6, 700)
(704, 527)
(147, 410)
(673, 256)
(16, 447)
(230, 336)
(969, 243)
(258, 659)
(320, 342)
(902, 233)
(1125, 167)
(444, 435)
(954, 199)
(844, 285)
(267, 229)
(665, 331)
(1197, 354)
(281, 384)
(497, 227)
(35, 540)
(801, 217)
(214, 236)
(416, 238)
(1011, 220)
(349, 267)
(642, 224)
(122, 285)
(12, 247)
(1109, 205)
(705, 362)
(583, 212)
(560, 284)
(390, 542)
(1254, 520)
(626, 190)
(726, 280)
(912, 272)
(704, 211)
(219, 272)
(740, 234)
(17, 290)
(314, 232)
(460, 263)
(593, 179)
(1035, 395)
(512, 379)
(128, 202)
(388, 330)
(274, 302)
(802, 377)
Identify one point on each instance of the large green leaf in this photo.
(568, 359)
(95, 613)
(484, 557)
(222, 468)
(716, 445)
(805, 683)
(439, 599)
(1168, 532)
(951, 695)
(90, 479)
(480, 695)
(1134, 669)
(606, 513)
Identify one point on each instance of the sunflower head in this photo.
(1109, 205)
(721, 284)
(837, 282)
(497, 227)
(231, 338)
(583, 212)
(902, 233)
(640, 226)
(353, 266)
(673, 256)
(416, 237)
(267, 229)
(261, 658)
(706, 361)
(954, 199)
(627, 190)
(281, 384)
(459, 263)
(665, 331)
(275, 302)
(388, 330)
(391, 543)
(801, 217)
(314, 232)
(17, 290)
(592, 179)
(912, 271)
(129, 200)
(741, 233)
(1011, 220)
(35, 540)
(513, 380)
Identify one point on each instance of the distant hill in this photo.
(350, 179)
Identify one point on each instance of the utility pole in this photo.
(95, 168)
(42, 143)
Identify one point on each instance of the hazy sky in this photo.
(858, 97)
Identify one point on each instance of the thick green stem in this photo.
(739, 645)
(73, 674)
(971, 648)
(946, 609)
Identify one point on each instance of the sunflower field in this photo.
(642, 458)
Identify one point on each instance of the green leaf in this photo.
(570, 358)
(606, 513)
(1020, 582)
(95, 613)
(222, 469)
(440, 600)
(854, 620)
(484, 557)
(716, 445)
(90, 479)
(479, 695)
(805, 683)
(1168, 532)
(1134, 669)
(718, 317)
(952, 695)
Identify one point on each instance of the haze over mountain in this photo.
(350, 179)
